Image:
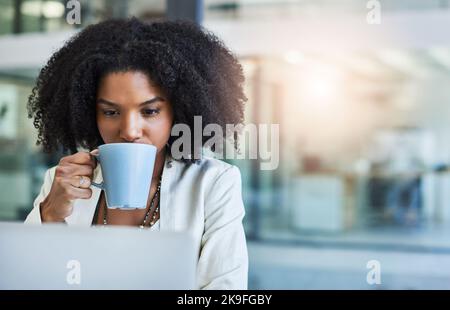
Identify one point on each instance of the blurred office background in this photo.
(364, 115)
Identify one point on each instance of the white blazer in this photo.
(202, 199)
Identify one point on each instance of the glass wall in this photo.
(263, 9)
(364, 149)
(359, 150)
(24, 16)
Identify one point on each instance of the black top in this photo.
(94, 220)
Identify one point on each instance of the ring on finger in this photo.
(82, 180)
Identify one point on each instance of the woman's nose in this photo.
(130, 129)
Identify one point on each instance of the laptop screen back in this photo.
(56, 256)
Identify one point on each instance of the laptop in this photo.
(56, 256)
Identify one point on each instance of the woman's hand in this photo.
(72, 180)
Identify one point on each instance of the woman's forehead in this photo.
(130, 85)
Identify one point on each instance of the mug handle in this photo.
(98, 185)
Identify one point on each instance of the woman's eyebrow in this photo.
(110, 103)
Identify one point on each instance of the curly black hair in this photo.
(194, 69)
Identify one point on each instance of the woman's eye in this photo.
(146, 112)
(109, 112)
(150, 112)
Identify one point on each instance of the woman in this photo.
(128, 81)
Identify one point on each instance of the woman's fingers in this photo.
(80, 181)
(69, 170)
(94, 154)
(79, 193)
(80, 158)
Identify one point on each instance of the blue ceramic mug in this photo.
(127, 170)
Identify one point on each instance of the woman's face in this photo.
(131, 109)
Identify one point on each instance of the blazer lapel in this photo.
(167, 187)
